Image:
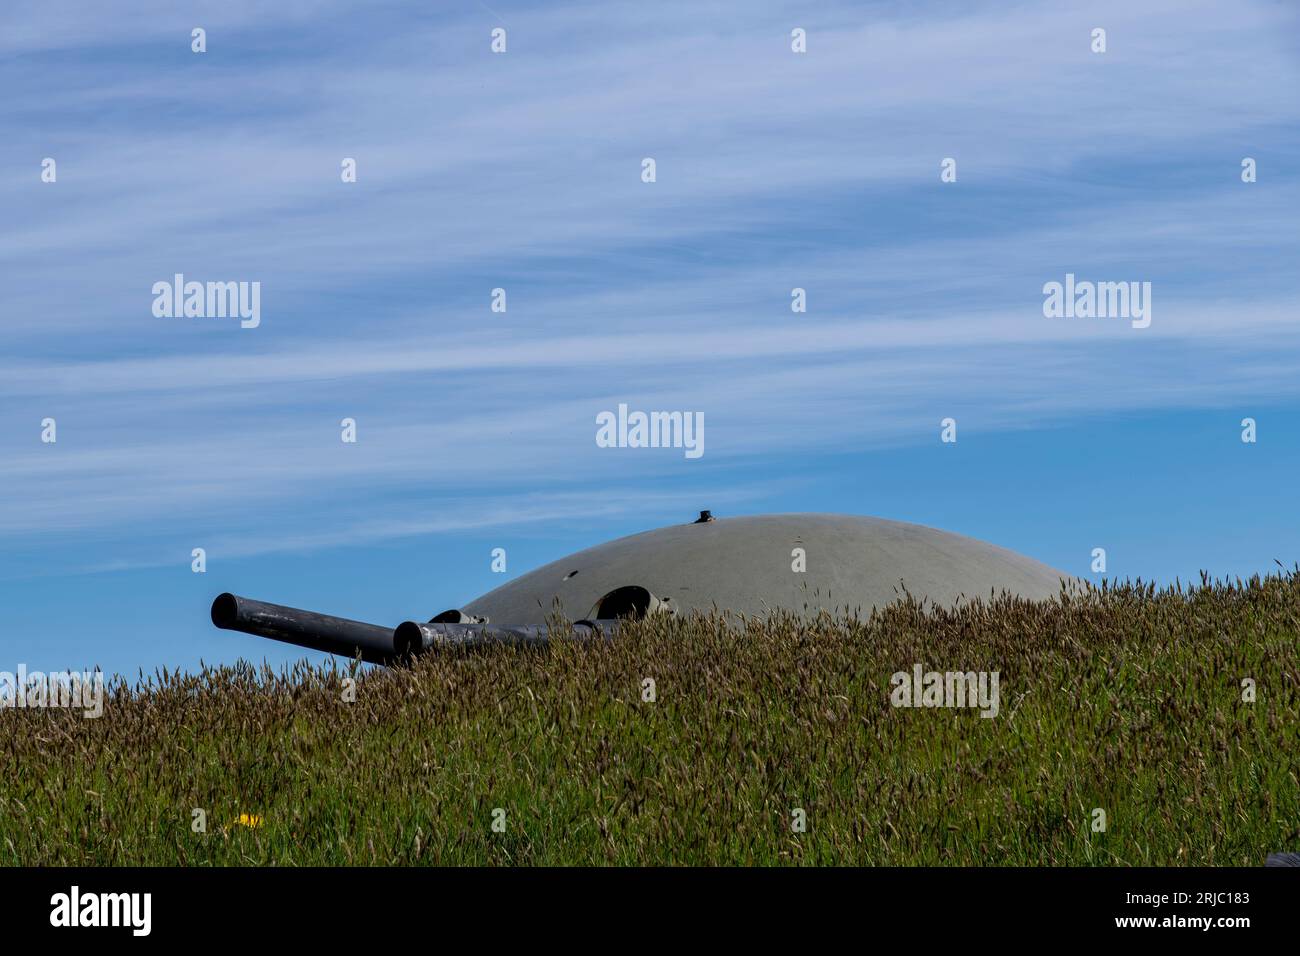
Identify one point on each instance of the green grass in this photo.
(1127, 699)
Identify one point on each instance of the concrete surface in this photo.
(744, 564)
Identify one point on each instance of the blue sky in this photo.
(522, 171)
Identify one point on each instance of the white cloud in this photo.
(775, 171)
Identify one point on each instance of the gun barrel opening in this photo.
(225, 611)
(408, 639)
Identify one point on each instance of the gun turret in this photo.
(376, 644)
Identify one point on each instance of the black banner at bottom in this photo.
(334, 905)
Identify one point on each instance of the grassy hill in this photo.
(1127, 700)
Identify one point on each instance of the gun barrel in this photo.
(414, 637)
(320, 632)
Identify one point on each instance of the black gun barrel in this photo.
(414, 637)
(320, 632)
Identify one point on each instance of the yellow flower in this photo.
(249, 820)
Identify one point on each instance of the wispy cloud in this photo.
(521, 171)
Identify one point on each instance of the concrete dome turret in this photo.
(745, 565)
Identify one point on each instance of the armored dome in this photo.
(750, 565)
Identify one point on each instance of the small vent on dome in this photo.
(632, 601)
(457, 616)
